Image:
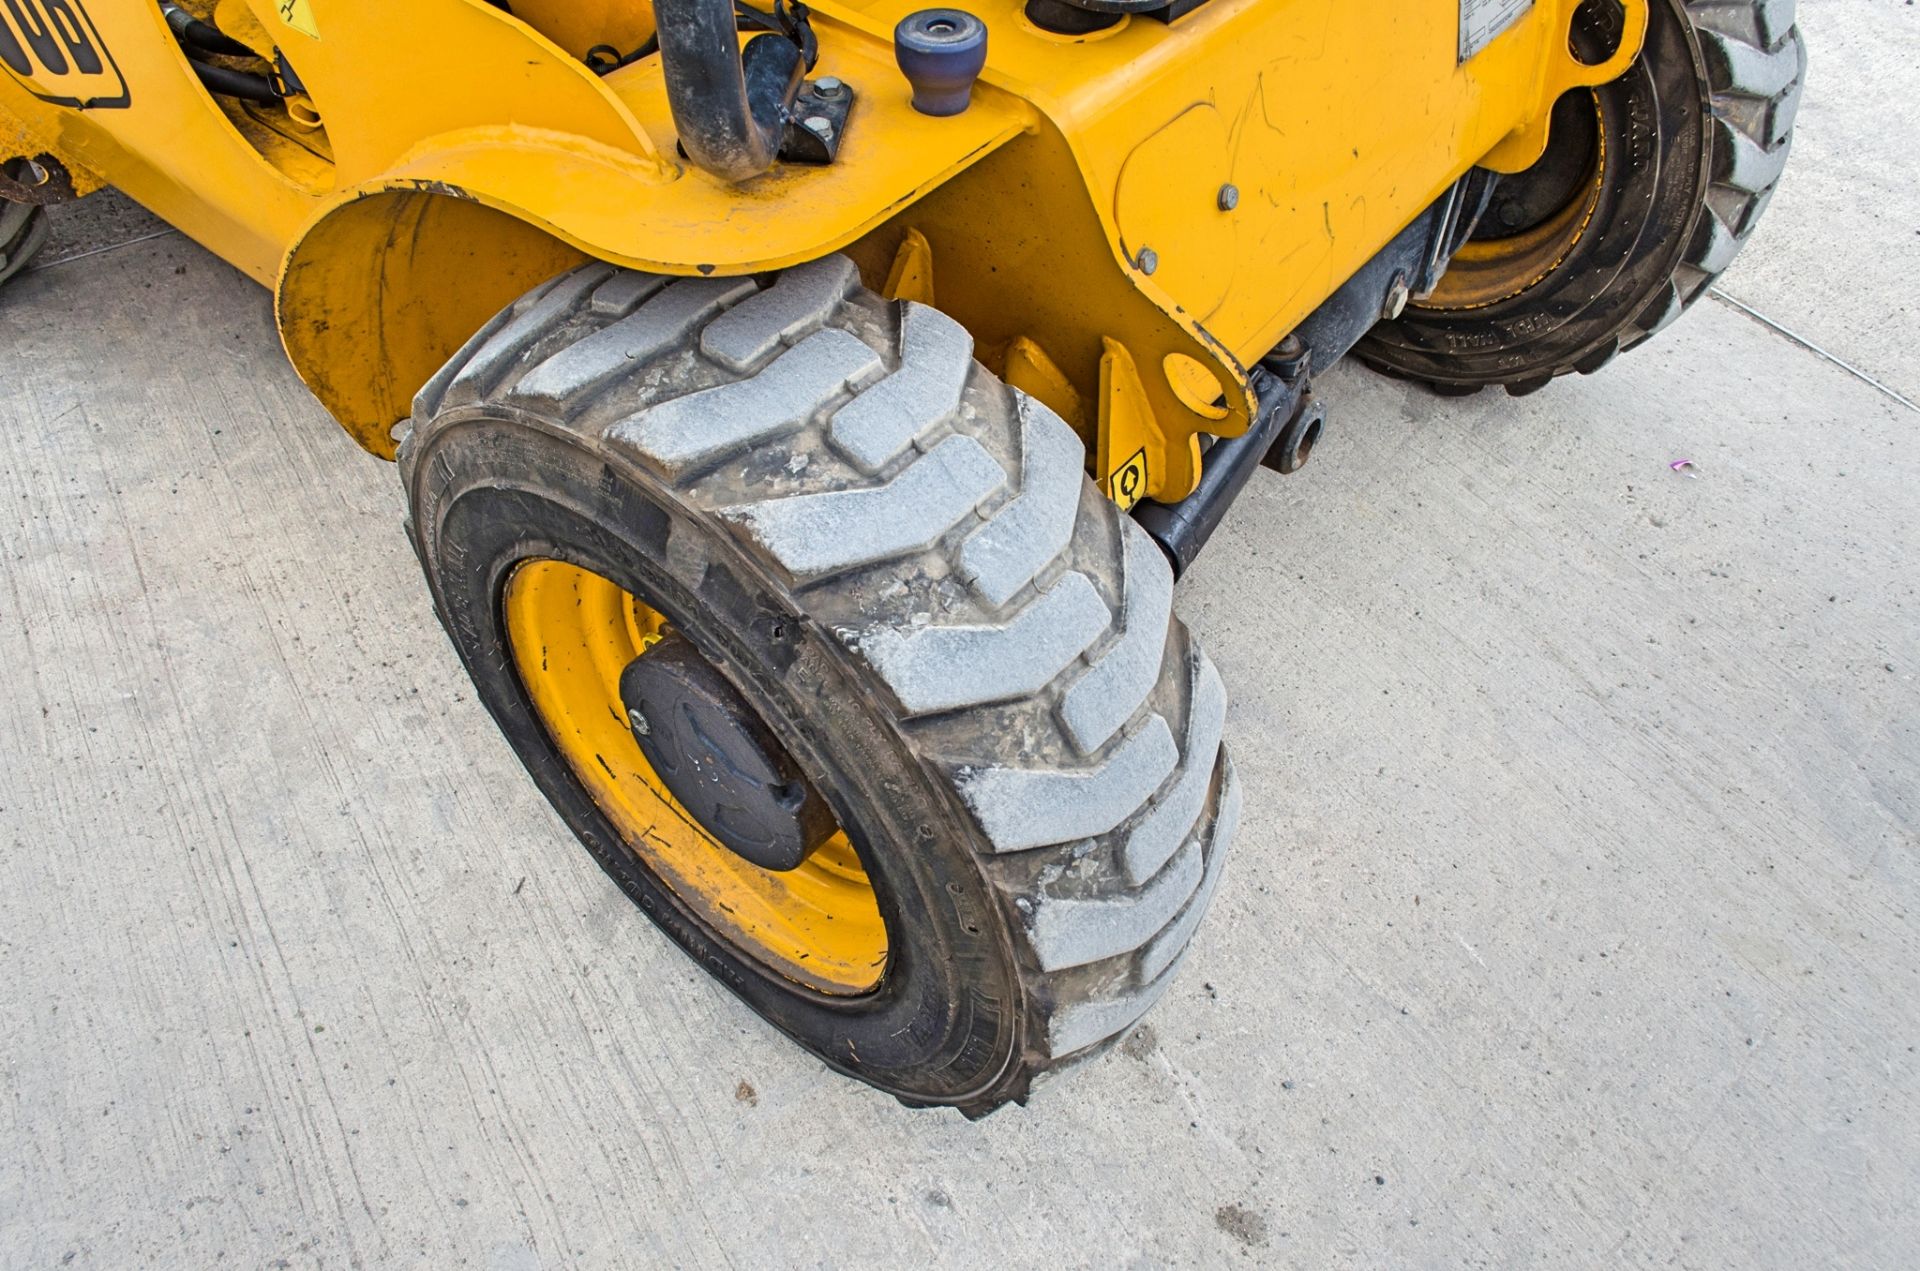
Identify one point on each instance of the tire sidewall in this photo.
(492, 486)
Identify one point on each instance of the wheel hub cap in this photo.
(712, 751)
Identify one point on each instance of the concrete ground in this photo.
(1572, 922)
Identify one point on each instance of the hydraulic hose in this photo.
(202, 35)
(231, 83)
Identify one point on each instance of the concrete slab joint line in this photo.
(1811, 347)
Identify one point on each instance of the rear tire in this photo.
(1696, 134)
(899, 563)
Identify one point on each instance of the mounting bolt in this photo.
(1229, 197)
(1149, 260)
(819, 125)
(1397, 296)
(828, 86)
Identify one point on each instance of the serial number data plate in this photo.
(1483, 20)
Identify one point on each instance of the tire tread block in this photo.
(1030, 532)
(657, 327)
(800, 301)
(1157, 837)
(1068, 933)
(936, 354)
(814, 535)
(481, 370)
(1080, 1025)
(1107, 694)
(1023, 808)
(939, 668)
(621, 294)
(20, 252)
(1167, 947)
(702, 428)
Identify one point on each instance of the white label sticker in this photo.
(1482, 20)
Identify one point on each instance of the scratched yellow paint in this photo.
(1078, 202)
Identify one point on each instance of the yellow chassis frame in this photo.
(1072, 218)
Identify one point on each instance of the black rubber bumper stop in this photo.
(941, 52)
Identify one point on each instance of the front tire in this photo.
(23, 232)
(899, 564)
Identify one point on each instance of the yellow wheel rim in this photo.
(1487, 271)
(572, 633)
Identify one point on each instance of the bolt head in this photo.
(828, 86)
(639, 723)
(1397, 296)
(1229, 197)
(1149, 260)
(819, 125)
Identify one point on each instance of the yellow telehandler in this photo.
(804, 412)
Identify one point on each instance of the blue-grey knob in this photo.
(941, 52)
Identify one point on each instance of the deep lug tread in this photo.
(621, 294)
(1111, 690)
(433, 393)
(20, 252)
(1599, 358)
(1172, 941)
(692, 432)
(912, 500)
(936, 354)
(1158, 836)
(1023, 808)
(816, 535)
(1073, 932)
(941, 668)
(800, 301)
(484, 368)
(1084, 1024)
(26, 247)
(665, 321)
(1024, 536)
(14, 219)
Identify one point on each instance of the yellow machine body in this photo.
(447, 156)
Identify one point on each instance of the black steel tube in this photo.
(202, 35)
(729, 104)
(230, 83)
(1412, 261)
(1182, 529)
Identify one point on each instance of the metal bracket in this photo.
(818, 121)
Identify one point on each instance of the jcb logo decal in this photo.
(53, 48)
